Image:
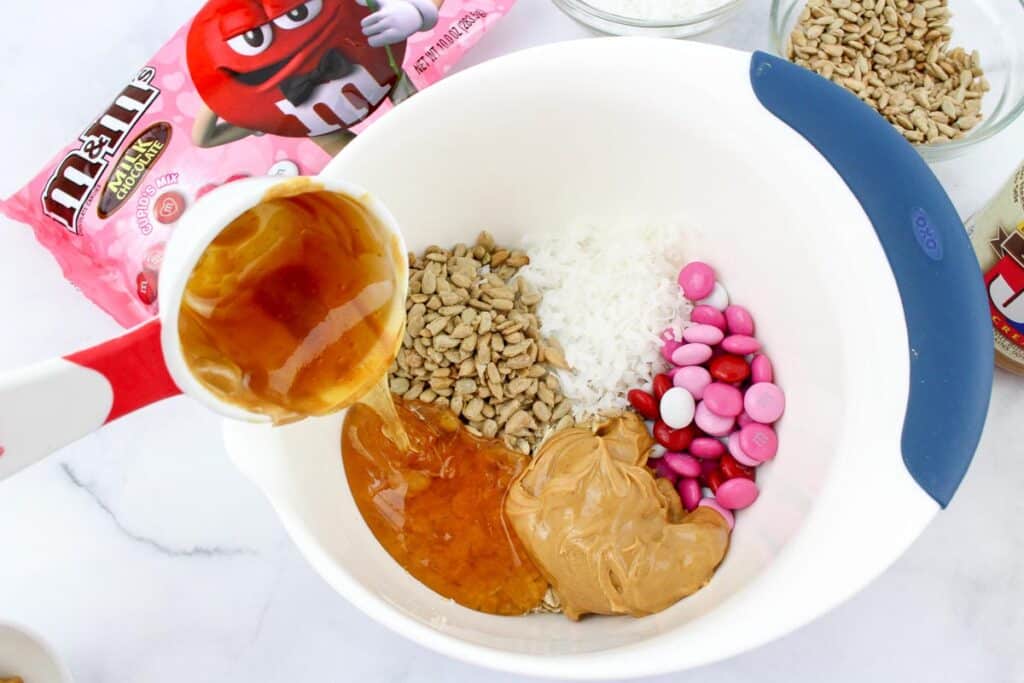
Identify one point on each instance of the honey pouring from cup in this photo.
(279, 300)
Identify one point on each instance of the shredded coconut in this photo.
(654, 10)
(609, 291)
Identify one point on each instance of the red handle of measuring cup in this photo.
(133, 364)
(51, 404)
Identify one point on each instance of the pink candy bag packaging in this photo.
(247, 88)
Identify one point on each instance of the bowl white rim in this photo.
(44, 646)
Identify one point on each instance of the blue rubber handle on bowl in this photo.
(939, 280)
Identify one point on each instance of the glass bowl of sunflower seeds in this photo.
(947, 74)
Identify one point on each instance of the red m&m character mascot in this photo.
(299, 68)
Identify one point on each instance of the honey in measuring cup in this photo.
(297, 308)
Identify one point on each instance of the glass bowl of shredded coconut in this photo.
(664, 18)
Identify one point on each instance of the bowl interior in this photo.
(631, 132)
(994, 28)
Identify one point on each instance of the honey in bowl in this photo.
(437, 507)
(296, 309)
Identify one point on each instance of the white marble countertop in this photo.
(144, 557)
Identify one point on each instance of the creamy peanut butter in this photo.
(605, 534)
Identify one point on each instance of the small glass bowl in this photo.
(994, 27)
(607, 22)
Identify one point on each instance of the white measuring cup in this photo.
(53, 403)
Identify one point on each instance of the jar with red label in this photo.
(997, 233)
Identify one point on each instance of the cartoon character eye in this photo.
(253, 41)
(300, 16)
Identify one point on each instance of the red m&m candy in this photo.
(662, 383)
(675, 440)
(145, 287)
(643, 403)
(168, 207)
(732, 468)
(714, 479)
(729, 368)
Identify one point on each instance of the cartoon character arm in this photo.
(209, 131)
(393, 21)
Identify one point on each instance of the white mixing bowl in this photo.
(818, 216)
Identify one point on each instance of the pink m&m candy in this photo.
(761, 369)
(668, 348)
(691, 354)
(736, 451)
(759, 442)
(662, 470)
(711, 504)
(764, 402)
(715, 425)
(736, 494)
(668, 344)
(705, 315)
(682, 464)
(693, 378)
(739, 320)
(697, 279)
(689, 493)
(741, 344)
(743, 420)
(708, 448)
(723, 399)
(703, 334)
